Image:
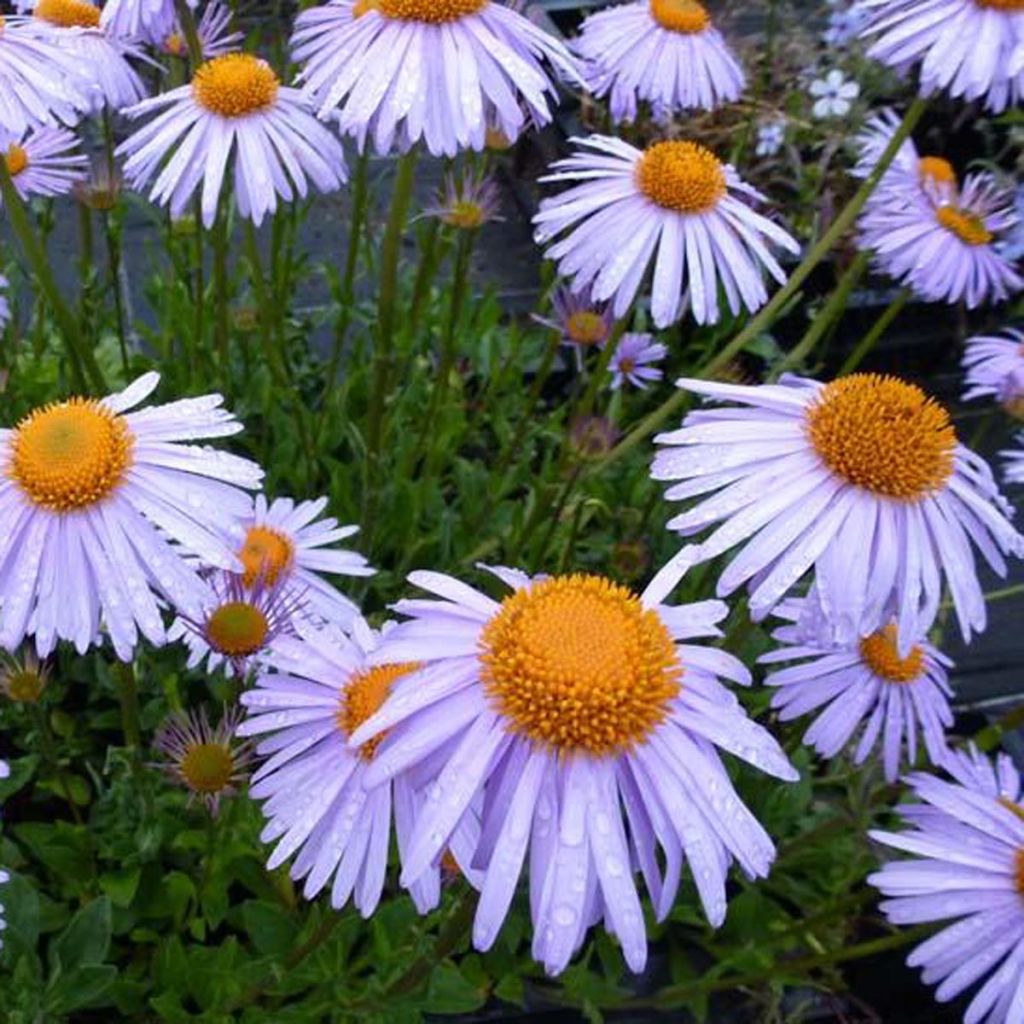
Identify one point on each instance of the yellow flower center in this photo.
(578, 664)
(1019, 870)
(681, 176)
(362, 697)
(880, 654)
(235, 84)
(176, 45)
(687, 16)
(237, 629)
(1014, 407)
(24, 686)
(434, 12)
(496, 139)
(266, 554)
(882, 434)
(464, 213)
(585, 327)
(207, 767)
(967, 226)
(68, 13)
(70, 454)
(936, 170)
(16, 159)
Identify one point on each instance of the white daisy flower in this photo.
(833, 94)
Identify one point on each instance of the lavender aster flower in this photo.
(1013, 468)
(466, 202)
(214, 30)
(234, 109)
(45, 162)
(674, 204)
(437, 70)
(966, 840)
(969, 48)
(664, 52)
(135, 20)
(632, 361)
(313, 694)
(863, 682)
(92, 494)
(588, 731)
(862, 479)
(995, 368)
(582, 323)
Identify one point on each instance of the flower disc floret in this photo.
(936, 170)
(237, 629)
(70, 455)
(576, 663)
(68, 13)
(1008, 6)
(585, 327)
(433, 12)
(686, 16)
(363, 695)
(883, 434)
(16, 159)
(267, 554)
(208, 767)
(880, 653)
(681, 176)
(235, 84)
(967, 226)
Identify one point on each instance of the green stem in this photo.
(991, 736)
(426, 270)
(84, 368)
(188, 27)
(128, 696)
(866, 344)
(768, 313)
(114, 260)
(220, 291)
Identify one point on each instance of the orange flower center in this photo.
(16, 159)
(967, 226)
(882, 434)
(235, 84)
(69, 455)
(1009, 6)
(585, 327)
(880, 654)
(68, 13)
(681, 176)
(935, 169)
(266, 554)
(237, 629)
(434, 12)
(362, 697)
(207, 767)
(576, 663)
(686, 16)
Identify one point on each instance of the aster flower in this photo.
(208, 760)
(108, 78)
(1013, 468)
(589, 732)
(404, 70)
(972, 49)
(770, 137)
(314, 692)
(214, 31)
(45, 162)
(861, 479)
(23, 679)
(833, 94)
(664, 52)
(673, 204)
(582, 323)
(235, 108)
(966, 840)
(631, 362)
(995, 369)
(863, 682)
(466, 202)
(289, 542)
(1011, 245)
(238, 623)
(140, 19)
(945, 252)
(40, 81)
(92, 496)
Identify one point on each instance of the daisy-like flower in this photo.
(664, 52)
(466, 202)
(966, 840)
(1013, 462)
(969, 48)
(833, 94)
(770, 137)
(234, 109)
(140, 19)
(995, 369)
(864, 682)
(92, 496)
(45, 162)
(674, 204)
(631, 362)
(102, 58)
(214, 30)
(210, 761)
(314, 693)
(239, 622)
(40, 81)
(438, 70)
(23, 679)
(582, 323)
(862, 479)
(587, 726)
(945, 251)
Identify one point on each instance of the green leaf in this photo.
(21, 909)
(86, 939)
(84, 986)
(122, 885)
(451, 992)
(272, 931)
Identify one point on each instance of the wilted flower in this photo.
(466, 202)
(592, 437)
(674, 204)
(102, 188)
(632, 360)
(44, 162)
(22, 679)
(583, 324)
(833, 94)
(585, 731)
(209, 761)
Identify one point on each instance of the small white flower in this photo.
(833, 94)
(770, 137)
(844, 25)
